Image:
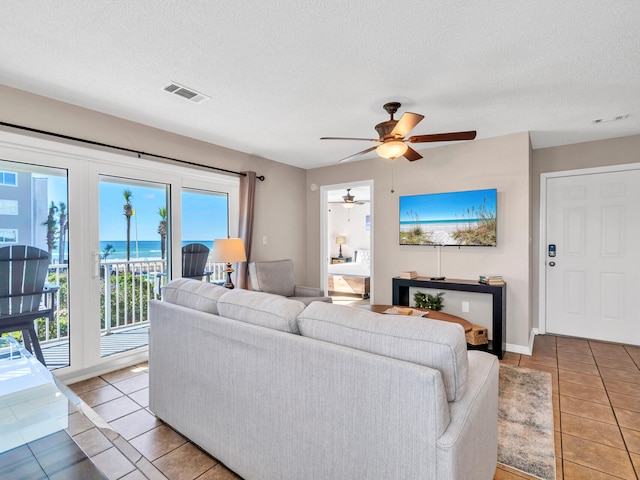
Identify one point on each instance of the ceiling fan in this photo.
(349, 201)
(393, 143)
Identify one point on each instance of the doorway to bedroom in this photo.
(348, 241)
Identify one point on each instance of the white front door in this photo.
(593, 281)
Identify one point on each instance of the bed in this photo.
(351, 277)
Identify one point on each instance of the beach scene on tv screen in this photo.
(453, 218)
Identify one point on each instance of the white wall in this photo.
(350, 223)
(280, 205)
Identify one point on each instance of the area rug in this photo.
(525, 422)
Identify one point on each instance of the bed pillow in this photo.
(260, 308)
(195, 294)
(363, 256)
(432, 343)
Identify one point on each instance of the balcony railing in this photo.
(124, 297)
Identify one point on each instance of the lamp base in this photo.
(229, 283)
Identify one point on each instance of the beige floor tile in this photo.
(576, 358)
(123, 373)
(627, 388)
(627, 418)
(589, 429)
(583, 392)
(632, 440)
(635, 458)
(184, 463)
(219, 472)
(620, 364)
(135, 424)
(100, 395)
(582, 408)
(592, 381)
(597, 456)
(571, 341)
(78, 423)
(626, 402)
(92, 442)
(141, 397)
(113, 463)
(157, 442)
(526, 360)
(133, 384)
(578, 367)
(117, 408)
(622, 375)
(573, 471)
(87, 385)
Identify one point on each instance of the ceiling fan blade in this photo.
(351, 157)
(406, 124)
(442, 137)
(411, 154)
(348, 138)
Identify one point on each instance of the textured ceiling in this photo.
(281, 73)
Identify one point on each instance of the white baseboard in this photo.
(126, 359)
(517, 349)
(523, 349)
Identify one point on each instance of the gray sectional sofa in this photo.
(279, 391)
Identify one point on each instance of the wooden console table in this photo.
(498, 292)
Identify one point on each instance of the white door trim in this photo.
(542, 253)
(324, 230)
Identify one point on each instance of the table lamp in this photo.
(341, 241)
(228, 250)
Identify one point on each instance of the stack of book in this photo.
(409, 274)
(491, 279)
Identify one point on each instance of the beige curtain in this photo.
(245, 224)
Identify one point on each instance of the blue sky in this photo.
(445, 206)
(204, 216)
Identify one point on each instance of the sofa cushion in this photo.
(195, 294)
(432, 343)
(259, 308)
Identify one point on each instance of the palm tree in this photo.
(128, 213)
(52, 228)
(108, 250)
(64, 227)
(162, 229)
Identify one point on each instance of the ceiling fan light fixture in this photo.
(392, 149)
(348, 205)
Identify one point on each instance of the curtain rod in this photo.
(124, 149)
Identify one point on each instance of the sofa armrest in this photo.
(308, 292)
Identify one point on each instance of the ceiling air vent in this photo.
(184, 92)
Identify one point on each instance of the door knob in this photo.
(552, 264)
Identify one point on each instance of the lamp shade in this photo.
(341, 240)
(392, 149)
(228, 250)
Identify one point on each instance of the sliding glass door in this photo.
(110, 252)
(134, 230)
(34, 211)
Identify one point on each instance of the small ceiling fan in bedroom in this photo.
(349, 201)
(393, 143)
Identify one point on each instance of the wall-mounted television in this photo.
(449, 219)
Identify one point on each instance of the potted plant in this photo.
(428, 301)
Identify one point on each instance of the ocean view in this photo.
(448, 225)
(142, 249)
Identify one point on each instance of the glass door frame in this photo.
(84, 165)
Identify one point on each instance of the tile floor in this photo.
(596, 392)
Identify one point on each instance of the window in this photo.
(8, 235)
(8, 207)
(9, 178)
